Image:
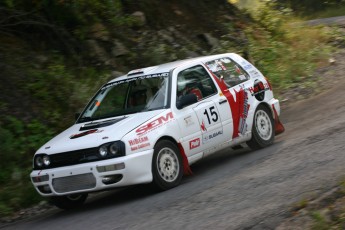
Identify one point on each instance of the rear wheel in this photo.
(167, 167)
(70, 201)
(263, 128)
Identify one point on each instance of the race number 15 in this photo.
(211, 114)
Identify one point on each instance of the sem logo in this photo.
(155, 123)
(194, 143)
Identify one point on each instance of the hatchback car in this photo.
(151, 124)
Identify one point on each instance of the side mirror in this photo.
(186, 100)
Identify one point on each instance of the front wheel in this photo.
(70, 201)
(263, 128)
(167, 167)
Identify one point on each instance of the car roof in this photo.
(167, 67)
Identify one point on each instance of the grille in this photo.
(74, 157)
(79, 156)
(74, 183)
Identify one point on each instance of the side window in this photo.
(195, 80)
(232, 73)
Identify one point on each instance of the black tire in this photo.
(262, 129)
(70, 201)
(167, 168)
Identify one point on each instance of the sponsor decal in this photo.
(254, 73)
(194, 143)
(243, 113)
(134, 79)
(138, 140)
(258, 90)
(134, 148)
(155, 124)
(246, 65)
(211, 135)
(85, 133)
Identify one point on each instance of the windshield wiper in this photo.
(85, 119)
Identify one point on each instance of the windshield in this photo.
(138, 94)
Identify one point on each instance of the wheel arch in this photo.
(186, 169)
(168, 138)
(265, 104)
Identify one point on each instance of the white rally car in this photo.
(153, 123)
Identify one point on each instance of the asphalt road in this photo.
(240, 189)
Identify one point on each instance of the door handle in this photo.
(222, 101)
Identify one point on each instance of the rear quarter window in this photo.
(231, 72)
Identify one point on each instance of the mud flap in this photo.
(279, 127)
(186, 169)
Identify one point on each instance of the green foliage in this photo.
(12, 198)
(333, 11)
(74, 13)
(19, 140)
(320, 222)
(285, 51)
(55, 90)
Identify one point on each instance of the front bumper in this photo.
(94, 176)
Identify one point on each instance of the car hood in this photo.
(93, 134)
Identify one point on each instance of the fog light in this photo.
(108, 168)
(44, 189)
(111, 179)
(38, 179)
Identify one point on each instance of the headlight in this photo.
(103, 150)
(39, 161)
(46, 160)
(112, 149)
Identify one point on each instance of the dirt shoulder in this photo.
(323, 212)
(323, 79)
(328, 210)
